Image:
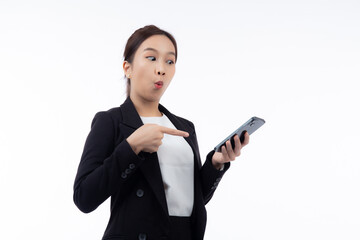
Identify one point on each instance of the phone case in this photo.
(250, 126)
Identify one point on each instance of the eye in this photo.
(151, 57)
(154, 59)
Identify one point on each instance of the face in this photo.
(152, 68)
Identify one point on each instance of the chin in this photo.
(154, 97)
(158, 94)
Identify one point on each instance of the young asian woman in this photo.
(145, 157)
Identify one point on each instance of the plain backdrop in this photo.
(293, 63)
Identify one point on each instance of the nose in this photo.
(160, 69)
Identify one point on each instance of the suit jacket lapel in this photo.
(130, 116)
(150, 166)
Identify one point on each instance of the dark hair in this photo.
(135, 40)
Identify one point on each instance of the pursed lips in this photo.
(159, 84)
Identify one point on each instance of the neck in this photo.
(146, 108)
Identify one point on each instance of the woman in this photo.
(146, 158)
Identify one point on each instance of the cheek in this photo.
(144, 70)
(139, 74)
(172, 73)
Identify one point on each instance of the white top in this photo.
(176, 160)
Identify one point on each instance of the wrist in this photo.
(217, 165)
(133, 145)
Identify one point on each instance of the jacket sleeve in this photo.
(209, 175)
(104, 168)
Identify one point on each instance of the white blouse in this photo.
(176, 160)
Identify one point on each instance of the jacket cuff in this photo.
(128, 161)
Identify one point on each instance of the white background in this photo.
(293, 63)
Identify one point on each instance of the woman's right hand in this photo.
(147, 138)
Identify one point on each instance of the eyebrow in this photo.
(153, 49)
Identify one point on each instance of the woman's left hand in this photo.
(227, 153)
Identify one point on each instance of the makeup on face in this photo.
(159, 84)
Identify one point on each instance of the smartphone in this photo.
(250, 126)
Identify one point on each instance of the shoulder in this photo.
(185, 121)
(110, 116)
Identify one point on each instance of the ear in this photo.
(127, 68)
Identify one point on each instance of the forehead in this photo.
(159, 42)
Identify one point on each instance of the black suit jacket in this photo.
(110, 168)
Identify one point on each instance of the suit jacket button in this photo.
(140, 193)
(142, 236)
(123, 175)
(132, 166)
(127, 171)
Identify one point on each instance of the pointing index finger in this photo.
(174, 132)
